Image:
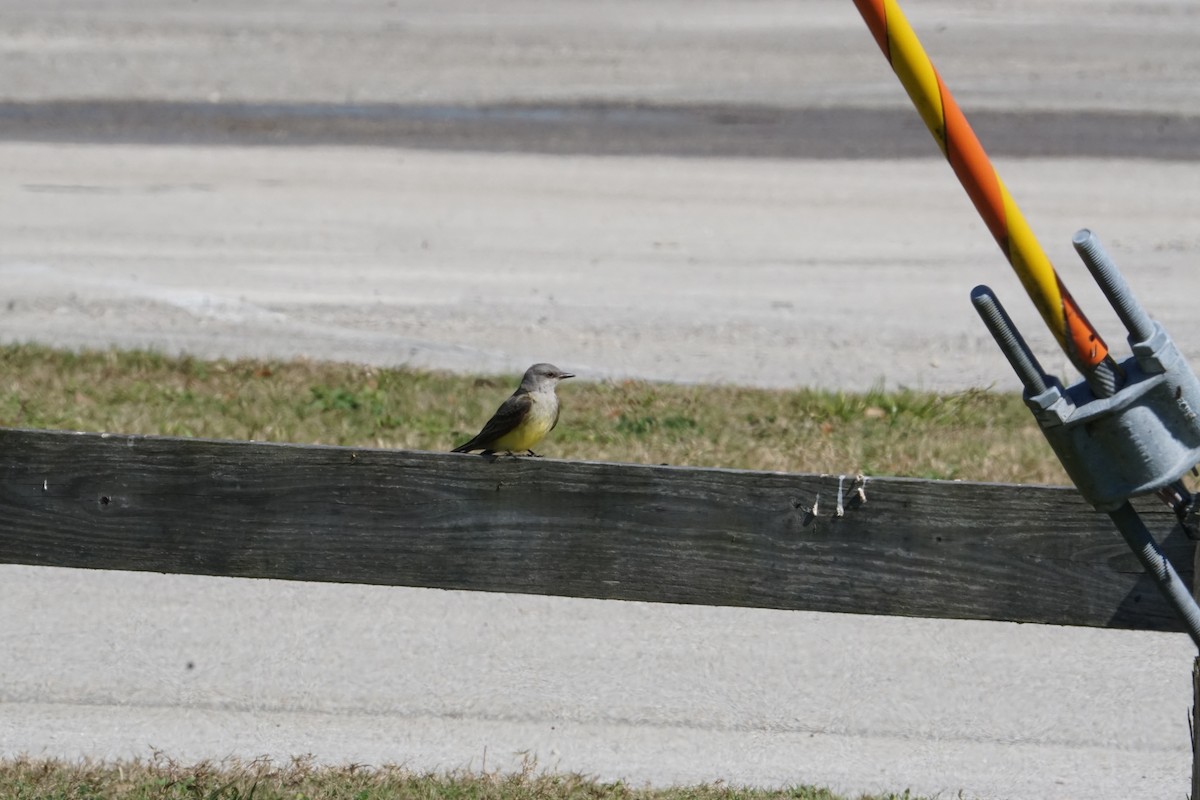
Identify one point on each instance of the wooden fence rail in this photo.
(576, 529)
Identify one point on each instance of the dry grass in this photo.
(974, 435)
(162, 779)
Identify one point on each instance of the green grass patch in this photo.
(27, 779)
(973, 435)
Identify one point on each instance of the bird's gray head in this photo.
(543, 376)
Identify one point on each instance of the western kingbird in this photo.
(524, 419)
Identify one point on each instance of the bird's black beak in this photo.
(566, 375)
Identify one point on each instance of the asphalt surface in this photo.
(679, 191)
(725, 130)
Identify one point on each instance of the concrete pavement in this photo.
(776, 273)
(115, 664)
(787, 269)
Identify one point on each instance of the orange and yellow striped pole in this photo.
(945, 120)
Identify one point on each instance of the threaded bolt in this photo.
(1108, 278)
(1009, 339)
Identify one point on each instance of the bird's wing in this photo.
(507, 417)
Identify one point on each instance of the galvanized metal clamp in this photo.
(1138, 437)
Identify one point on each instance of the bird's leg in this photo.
(530, 451)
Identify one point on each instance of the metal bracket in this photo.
(1119, 441)
(1143, 437)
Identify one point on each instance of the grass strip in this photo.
(973, 435)
(301, 779)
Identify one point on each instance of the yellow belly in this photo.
(532, 430)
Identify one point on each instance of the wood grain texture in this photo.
(576, 529)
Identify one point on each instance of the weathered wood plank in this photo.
(676, 535)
